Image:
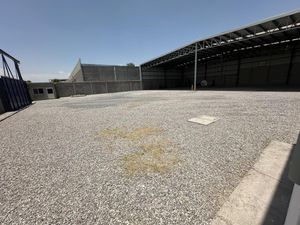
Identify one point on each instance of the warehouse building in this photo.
(97, 72)
(263, 54)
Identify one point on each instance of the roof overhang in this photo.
(275, 30)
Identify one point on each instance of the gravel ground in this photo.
(132, 157)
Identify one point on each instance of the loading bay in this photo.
(133, 157)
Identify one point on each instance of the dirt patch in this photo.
(133, 135)
(157, 157)
(134, 105)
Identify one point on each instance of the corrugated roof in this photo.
(278, 29)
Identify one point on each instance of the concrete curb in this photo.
(253, 201)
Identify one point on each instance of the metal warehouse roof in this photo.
(275, 30)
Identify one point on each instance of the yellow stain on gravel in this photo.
(134, 105)
(157, 157)
(133, 135)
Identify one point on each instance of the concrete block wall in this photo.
(65, 89)
(99, 87)
(98, 73)
(83, 88)
(127, 73)
(109, 73)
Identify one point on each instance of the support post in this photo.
(140, 71)
(115, 73)
(195, 70)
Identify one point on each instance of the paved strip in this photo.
(263, 195)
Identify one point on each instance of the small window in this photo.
(35, 91)
(50, 91)
(41, 91)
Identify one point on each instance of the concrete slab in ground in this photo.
(204, 120)
(263, 195)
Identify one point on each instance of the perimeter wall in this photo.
(65, 89)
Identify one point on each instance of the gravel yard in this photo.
(133, 158)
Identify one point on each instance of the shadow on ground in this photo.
(254, 89)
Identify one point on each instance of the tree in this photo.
(55, 80)
(130, 64)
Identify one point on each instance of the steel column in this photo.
(115, 73)
(141, 84)
(195, 69)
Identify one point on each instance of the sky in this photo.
(49, 36)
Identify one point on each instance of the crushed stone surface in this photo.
(133, 157)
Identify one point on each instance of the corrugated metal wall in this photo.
(159, 78)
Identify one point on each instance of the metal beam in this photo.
(9, 56)
(294, 21)
(266, 30)
(276, 24)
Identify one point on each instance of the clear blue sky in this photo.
(48, 37)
